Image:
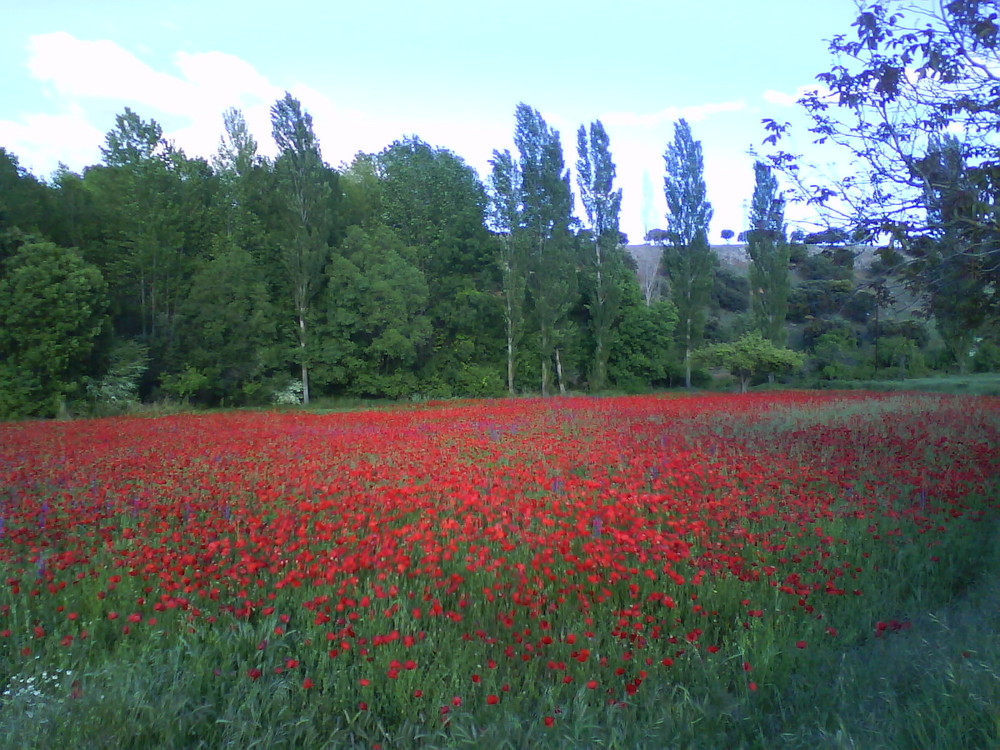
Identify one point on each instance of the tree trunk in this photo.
(600, 364)
(305, 366)
(559, 374)
(687, 354)
(600, 332)
(510, 343)
(510, 364)
(546, 361)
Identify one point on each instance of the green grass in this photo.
(984, 384)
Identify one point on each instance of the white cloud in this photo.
(780, 98)
(31, 140)
(695, 113)
(79, 69)
(216, 77)
(784, 99)
(192, 101)
(85, 76)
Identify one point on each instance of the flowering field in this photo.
(575, 572)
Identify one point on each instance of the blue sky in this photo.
(448, 71)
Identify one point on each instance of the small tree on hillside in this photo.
(750, 355)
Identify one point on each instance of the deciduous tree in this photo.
(595, 177)
(505, 221)
(906, 75)
(434, 201)
(770, 281)
(53, 309)
(546, 213)
(306, 186)
(688, 260)
(750, 355)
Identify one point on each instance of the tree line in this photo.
(242, 280)
(246, 280)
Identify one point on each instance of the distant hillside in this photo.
(647, 257)
(647, 261)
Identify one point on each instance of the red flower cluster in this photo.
(492, 524)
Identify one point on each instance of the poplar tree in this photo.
(505, 217)
(688, 260)
(546, 213)
(595, 176)
(305, 186)
(770, 281)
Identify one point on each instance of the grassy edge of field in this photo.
(934, 684)
(979, 384)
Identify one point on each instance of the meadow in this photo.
(774, 570)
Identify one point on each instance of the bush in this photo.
(730, 290)
(290, 395)
(987, 356)
(118, 389)
(823, 267)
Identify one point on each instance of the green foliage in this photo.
(602, 204)
(901, 356)
(750, 355)
(511, 259)
(816, 328)
(769, 256)
(730, 290)
(546, 205)
(860, 306)
(306, 186)
(185, 384)
(913, 330)
(242, 186)
(23, 198)
(376, 311)
(118, 388)
(228, 330)
(688, 260)
(53, 309)
(986, 356)
(823, 267)
(642, 352)
(434, 199)
(814, 299)
(835, 354)
(899, 85)
(134, 141)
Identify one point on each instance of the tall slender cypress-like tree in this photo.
(688, 260)
(595, 176)
(505, 218)
(546, 213)
(770, 281)
(305, 188)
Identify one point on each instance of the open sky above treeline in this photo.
(448, 71)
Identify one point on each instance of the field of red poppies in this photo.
(567, 572)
